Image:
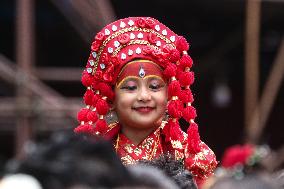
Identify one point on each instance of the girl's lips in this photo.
(143, 109)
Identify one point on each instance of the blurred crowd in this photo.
(68, 161)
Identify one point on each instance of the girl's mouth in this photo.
(144, 109)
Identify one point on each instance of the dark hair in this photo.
(174, 169)
(68, 159)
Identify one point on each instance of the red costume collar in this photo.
(150, 148)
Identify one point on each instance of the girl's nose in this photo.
(144, 94)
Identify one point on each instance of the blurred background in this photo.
(237, 47)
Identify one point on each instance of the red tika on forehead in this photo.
(140, 69)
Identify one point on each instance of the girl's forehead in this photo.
(146, 79)
(134, 80)
(140, 69)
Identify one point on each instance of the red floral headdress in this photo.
(138, 38)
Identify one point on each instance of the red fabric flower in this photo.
(101, 126)
(175, 131)
(100, 36)
(167, 48)
(186, 96)
(237, 154)
(102, 107)
(157, 54)
(182, 44)
(193, 139)
(149, 22)
(95, 85)
(147, 50)
(174, 55)
(141, 22)
(166, 57)
(98, 75)
(89, 97)
(170, 71)
(174, 89)
(92, 116)
(166, 132)
(108, 74)
(106, 90)
(185, 62)
(82, 114)
(152, 38)
(175, 108)
(95, 46)
(87, 79)
(115, 61)
(104, 58)
(189, 113)
(108, 77)
(84, 129)
(186, 78)
(123, 38)
(95, 99)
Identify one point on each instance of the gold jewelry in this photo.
(117, 141)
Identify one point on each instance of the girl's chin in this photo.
(146, 125)
(140, 124)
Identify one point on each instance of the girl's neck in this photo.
(137, 135)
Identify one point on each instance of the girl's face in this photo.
(141, 102)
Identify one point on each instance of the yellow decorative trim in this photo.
(117, 141)
(112, 125)
(136, 77)
(128, 77)
(133, 42)
(153, 76)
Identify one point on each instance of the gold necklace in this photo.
(117, 141)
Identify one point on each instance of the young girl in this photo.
(139, 70)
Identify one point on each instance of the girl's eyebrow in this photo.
(126, 79)
(158, 79)
(154, 77)
(130, 79)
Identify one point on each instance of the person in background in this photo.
(241, 167)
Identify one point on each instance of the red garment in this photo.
(201, 164)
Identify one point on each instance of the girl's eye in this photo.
(155, 85)
(130, 87)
